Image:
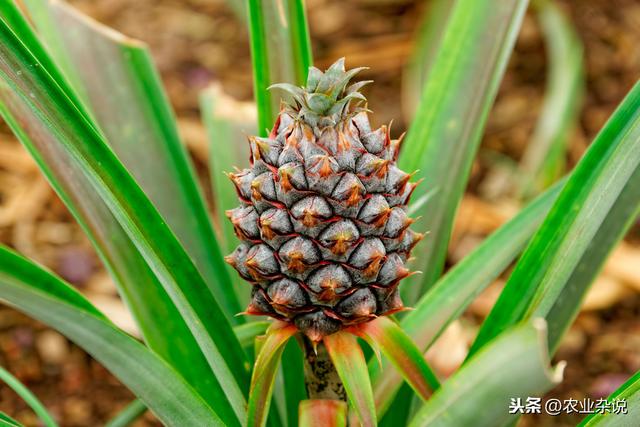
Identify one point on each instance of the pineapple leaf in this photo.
(602, 196)
(319, 103)
(137, 283)
(124, 93)
(293, 390)
(628, 392)
(405, 356)
(248, 332)
(27, 396)
(128, 415)
(228, 122)
(294, 91)
(348, 359)
(323, 413)
(446, 131)
(40, 294)
(269, 352)
(428, 40)
(76, 160)
(280, 50)
(261, 67)
(452, 294)
(313, 79)
(514, 365)
(543, 159)
(7, 421)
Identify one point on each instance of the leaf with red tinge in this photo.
(398, 347)
(264, 372)
(349, 361)
(323, 413)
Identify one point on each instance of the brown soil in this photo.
(196, 42)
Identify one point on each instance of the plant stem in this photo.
(320, 376)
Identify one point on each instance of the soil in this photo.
(197, 42)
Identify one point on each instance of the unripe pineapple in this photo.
(323, 223)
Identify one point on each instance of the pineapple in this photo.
(323, 223)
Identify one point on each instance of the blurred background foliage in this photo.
(199, 43)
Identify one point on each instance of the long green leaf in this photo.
(248, 332)
(347, 357)
(428, 41)
(128, 415)
(396, 345)
(7, 421)
(82, 168)
(514, 366)
(16, 21)
(323, 413)
(596, 206)
(619, 414)
(125, 95)
(260, 62)
(264, 373)
(138, 284)
(453, 293)
(621, 216)
(280, 50)
(40, 294)
(26, 395)
(444, 136)
(293, 390)
(543, 160)
(228, 122)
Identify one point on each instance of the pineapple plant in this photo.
(324, 224)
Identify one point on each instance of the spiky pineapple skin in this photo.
(323, 223)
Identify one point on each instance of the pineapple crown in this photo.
(327, 97)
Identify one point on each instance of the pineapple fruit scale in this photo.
(323, 222)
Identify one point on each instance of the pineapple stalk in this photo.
(320, 375)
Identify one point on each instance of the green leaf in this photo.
(17, 22)
(280, 51)
(128, 415)
(264, 372)
(453, 293)
(107, 201)
(228, 122)
(399, 412)
(620, 217)
(137, 283)
(594, 209)
(323, 413)
(543, 159)
(628, 392)
(351, 366)
(248, 332)
(260, 62)
(124, 92)
(514, 365)
(428, 41)
(396, 345)
(22, 391)
(444, 136)
(293, 389)
(34, 291)
(7, 421)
